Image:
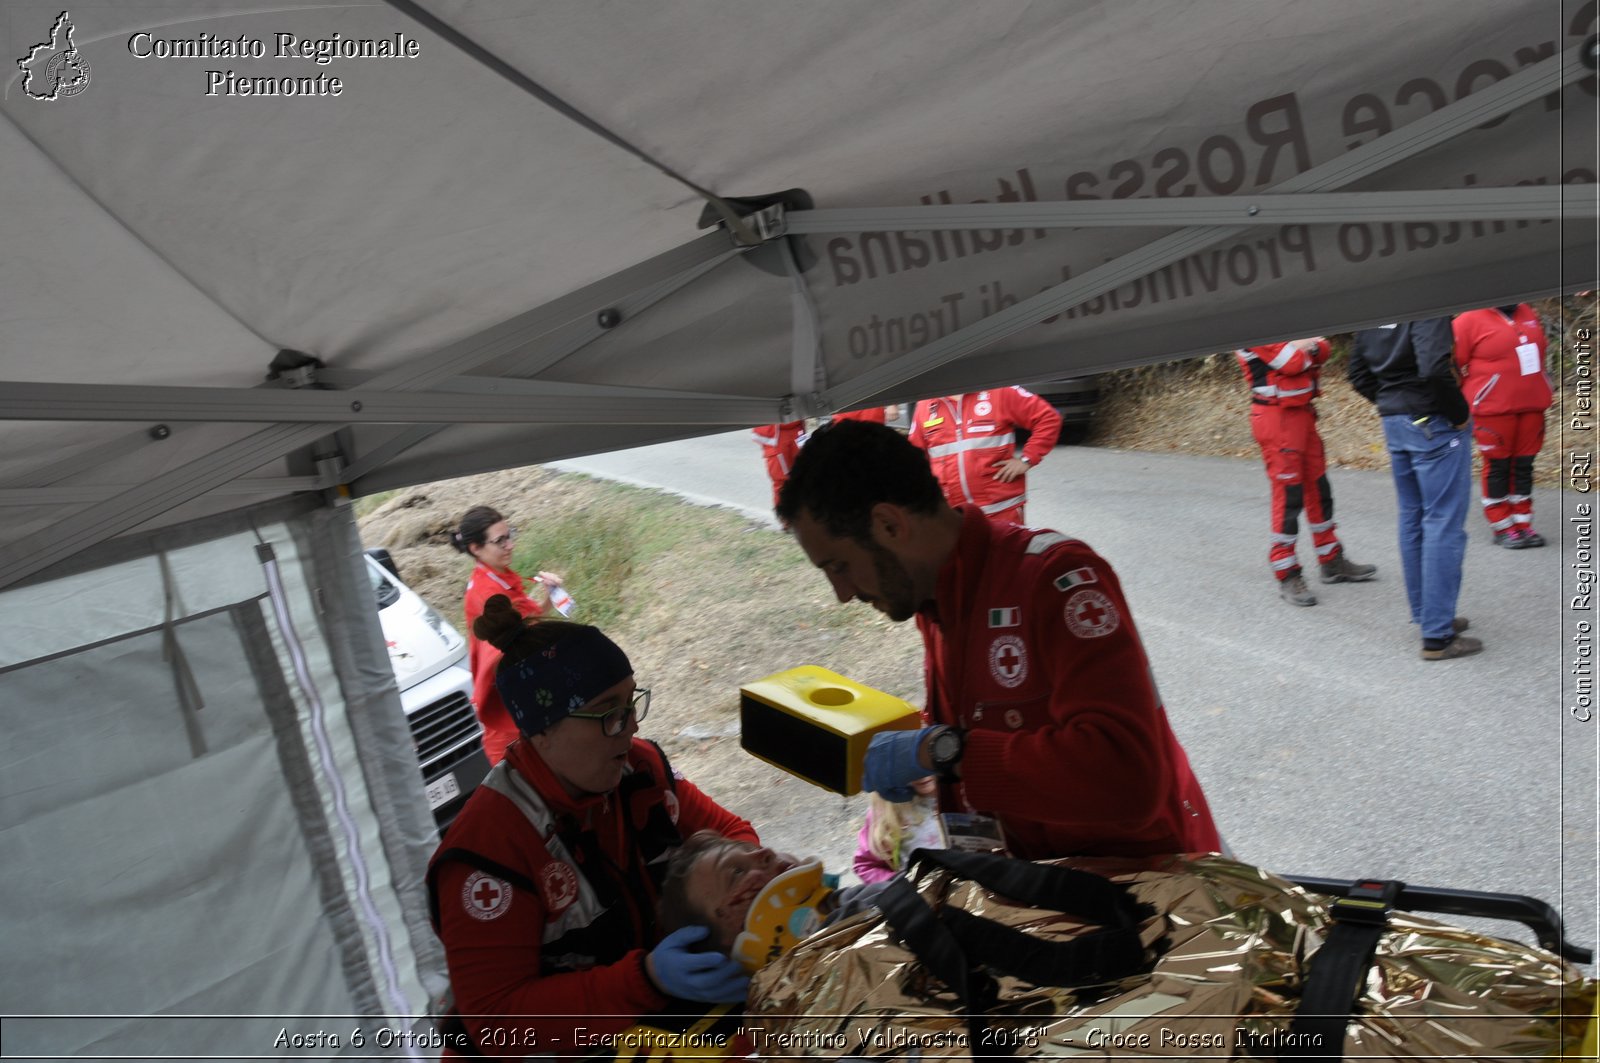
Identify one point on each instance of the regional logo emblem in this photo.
(55, 69)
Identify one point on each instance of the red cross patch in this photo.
(1008, 661)
(558, 883)
(485, 897)
(1090, 615)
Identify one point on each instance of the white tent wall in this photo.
(212, 808)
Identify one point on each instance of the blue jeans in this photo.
(1432, 466)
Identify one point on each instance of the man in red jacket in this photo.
(1284, 378)
(1041, 707)
(1500, 351)
(972, 444)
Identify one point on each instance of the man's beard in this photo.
(896, 598)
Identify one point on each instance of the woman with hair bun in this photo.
(485, 535)
(544, 888)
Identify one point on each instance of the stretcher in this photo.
(1358, 910)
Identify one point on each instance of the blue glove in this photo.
(709, 977)
(892, 764)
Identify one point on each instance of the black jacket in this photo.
(1408, 369)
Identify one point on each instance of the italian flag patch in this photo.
(1078, 576)
(1008, 617)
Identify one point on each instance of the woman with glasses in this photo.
(485, 535)
(544, 888)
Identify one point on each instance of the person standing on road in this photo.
(780, 445)
(1284, 380)
(544, 889)
(971, 442)
(1407, 371)
(1501, 354)
(1041, 708)
(484, 534)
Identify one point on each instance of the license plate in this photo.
(443, 790)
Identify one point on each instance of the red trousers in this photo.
(1508, 442)
(1298, 471)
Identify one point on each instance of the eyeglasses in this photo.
(614, 720)
(504, 540)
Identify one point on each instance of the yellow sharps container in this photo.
(816, 724)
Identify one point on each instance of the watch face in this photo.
(946, 747)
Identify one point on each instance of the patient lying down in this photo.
(757, 903)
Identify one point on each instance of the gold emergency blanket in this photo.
(1234, 944)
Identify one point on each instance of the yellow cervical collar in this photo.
(782, 913)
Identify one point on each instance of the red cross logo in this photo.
(485, 897)
(1090, 615)
(1008, 660)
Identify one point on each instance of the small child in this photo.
(892, 829)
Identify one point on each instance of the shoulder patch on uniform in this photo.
(1091, 615)
(486, 897)
(1076, 578)
(1045, 540)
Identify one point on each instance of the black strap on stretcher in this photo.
(1338, 971)
(1360, 912)
(965, 952)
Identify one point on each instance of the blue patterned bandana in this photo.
(542, 688)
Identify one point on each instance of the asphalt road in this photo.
(1325, 744)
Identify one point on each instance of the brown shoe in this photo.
(1343, 570)
(1294, 591)
(1460, 646)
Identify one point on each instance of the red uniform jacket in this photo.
(1030, 646)
(1285, 374)
(546, 904)
(872, 414)
(499, 730)
(966, 436)
(1496, 378)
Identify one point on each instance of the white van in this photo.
(429, 658)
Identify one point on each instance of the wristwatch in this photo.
(945, 749)
(1024, 459)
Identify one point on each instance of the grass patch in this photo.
(367, 503)
(604, 546)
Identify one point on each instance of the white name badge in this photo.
(1528, 357)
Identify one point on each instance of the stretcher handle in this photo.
(1536, 915)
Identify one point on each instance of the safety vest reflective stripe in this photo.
(997, 507)
(1483, 392)
(961, 446)
(587, 907)
(1283, 357)
(1272, 391)
(764, 440)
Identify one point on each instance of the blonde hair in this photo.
(892, 823)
